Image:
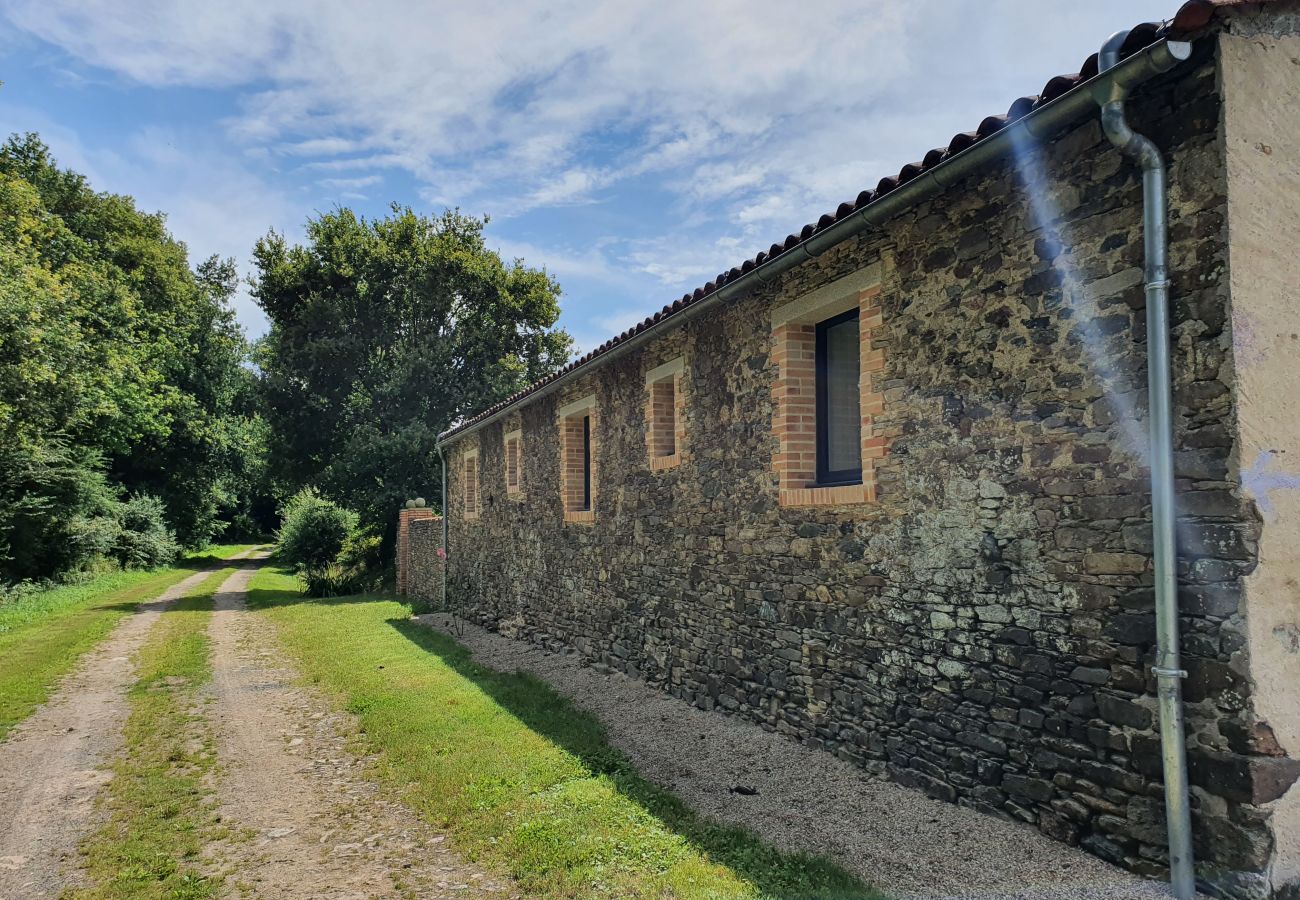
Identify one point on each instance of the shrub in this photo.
(143, 539)
(358, 568)
(321, 540)
(363, 551)
(313, 530)
(57, 510)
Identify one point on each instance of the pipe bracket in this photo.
(1164, 672)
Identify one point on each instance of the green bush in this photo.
(321, 540)
(57, 509)
(333, 581)
(358, 569)
(60, 518)
(313, 530)
(143, 539)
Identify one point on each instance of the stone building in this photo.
(884, 487)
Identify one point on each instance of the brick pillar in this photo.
(404, 519)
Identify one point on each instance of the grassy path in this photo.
(524, 782)
(157, 820)
(303, 818)
(44, 635)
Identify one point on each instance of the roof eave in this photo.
(1037, 124)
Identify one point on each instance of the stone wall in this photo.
(405, 518)
(419, 564)
(983, 629)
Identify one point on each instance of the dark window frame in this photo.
(827, 477)
(586, 462)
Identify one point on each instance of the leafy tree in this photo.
(57, 509)
(382, 334)
(313, 530)
(120, 368)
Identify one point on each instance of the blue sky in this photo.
(633, 149)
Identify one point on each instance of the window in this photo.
(839, 410)
(586, 463)
(514, 447)
(828, 395)
(578, 460)
(663, 413)
(665, 423)
(471, 484)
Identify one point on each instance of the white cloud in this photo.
(678, 261)
(590, 263)
(733, 96)
(352, 163)
(572, 186)
(742, 118)
(320, 147)
(351, 184)
(499, 91)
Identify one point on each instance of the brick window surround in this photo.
(469, 474)
(573, 479)
(514, 456)
(794, 393)
(665, 415)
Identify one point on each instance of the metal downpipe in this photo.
(1167, 669)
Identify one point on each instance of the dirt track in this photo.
(304, 820)
(52, 765)
(307, 821)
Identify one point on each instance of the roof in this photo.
(1192, 16)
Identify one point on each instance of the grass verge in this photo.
(43, 635)
(158, 821)
(525, 782)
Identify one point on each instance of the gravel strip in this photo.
(896, 838)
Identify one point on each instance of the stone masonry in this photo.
(422, 542)
(980, 626)
(404, 521)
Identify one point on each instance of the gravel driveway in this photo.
(898, 839)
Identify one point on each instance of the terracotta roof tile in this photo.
(1191, 17)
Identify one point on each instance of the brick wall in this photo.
(979, 625)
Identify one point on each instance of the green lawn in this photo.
(158, 824)
(43, 635)
(524, 782)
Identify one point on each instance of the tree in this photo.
(121, 370)
(382, 334)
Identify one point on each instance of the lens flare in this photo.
(1106, 366)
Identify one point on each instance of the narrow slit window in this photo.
(514, 463)
(471, 486)
(578, 445)
(586, 462)
(665, 415)
(663, 412)
(839, 412)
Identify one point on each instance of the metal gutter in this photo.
(1168, 668)
(1037, 124)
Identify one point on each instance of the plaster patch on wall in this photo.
(1288, 635)
(1258, 482)
(1248, 345)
